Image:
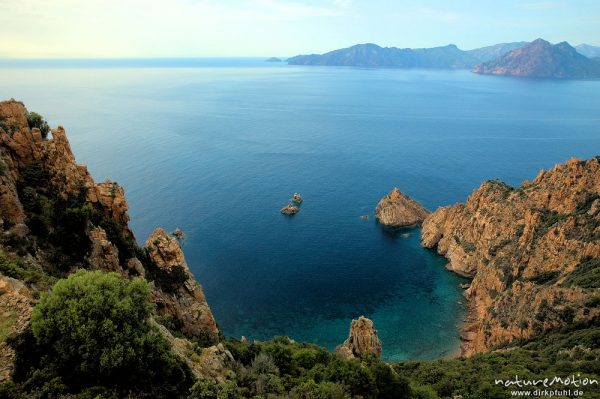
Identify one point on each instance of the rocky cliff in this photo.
(362, 340)
(54, 218)
(399, 210)
(533, 253)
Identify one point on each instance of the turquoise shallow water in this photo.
(216, 147)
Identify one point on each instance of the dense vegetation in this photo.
(90, 335)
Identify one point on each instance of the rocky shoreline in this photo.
(531, 252)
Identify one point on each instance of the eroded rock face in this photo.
(399, 210)
(21, 146)
(11, 209)
(103, 253)
(524, 248)
(362, 340)
(187, 302)
(15, 313)
(164, 250)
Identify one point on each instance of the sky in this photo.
(230, 28)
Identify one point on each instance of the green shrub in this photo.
(36, 120)
(350, 373)
(389, 384)
(586, 274)
(92, 330)
(16, 268)
(324, 390)
(3, 167)
(545, 277)
(204, 389)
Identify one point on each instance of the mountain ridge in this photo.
(370, 55)
(541, 59)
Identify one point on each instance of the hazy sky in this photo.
(189, 28)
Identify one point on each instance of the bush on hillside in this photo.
(92, 330)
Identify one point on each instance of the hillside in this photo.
(540, 59)
(533, 253)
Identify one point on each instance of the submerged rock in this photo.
(399, 210)
(362, 340)
(290, 210)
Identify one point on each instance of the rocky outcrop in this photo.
(533, 253)
(164, 250)
(15, 312)
(290, 210)
(185, 300)
(362, 340)
(112, 247)
(21, 146)
(399, 210)
(103, 254)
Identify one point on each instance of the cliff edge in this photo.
(533, 253)
(54, 219)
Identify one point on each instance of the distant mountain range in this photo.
(540, 59)
(372, 55)
(588, 51)
(566, 61)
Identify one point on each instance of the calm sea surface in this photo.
(217, 147)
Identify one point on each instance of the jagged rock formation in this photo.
(103, 254)
(51, 208)
(362, 340)
(290, 210)
(540, 59)
(533, 253)
(185, 301)
(164, 250)
(399, 210)
(21, 146)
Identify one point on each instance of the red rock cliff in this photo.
(533, 252)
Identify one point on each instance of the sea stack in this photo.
(399, 210)
(290, 210)
(362, 340)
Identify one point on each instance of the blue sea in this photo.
(218, 146)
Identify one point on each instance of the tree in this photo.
(93, 330)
